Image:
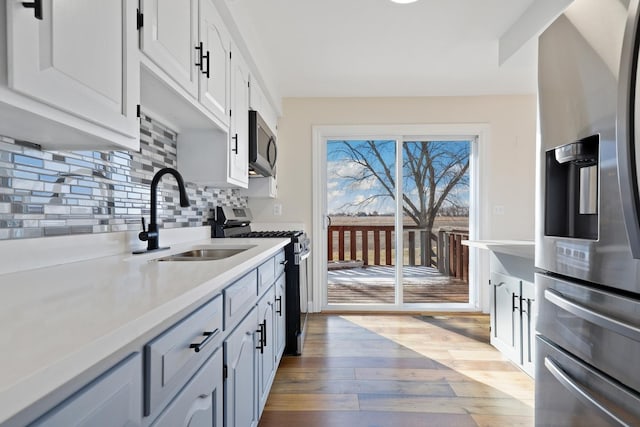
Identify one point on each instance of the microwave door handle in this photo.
(628, 145)
(272, 163)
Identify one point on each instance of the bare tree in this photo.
(431, 170)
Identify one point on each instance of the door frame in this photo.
(478, 133)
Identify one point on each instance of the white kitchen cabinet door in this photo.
(258, 101)
(239, 130)
(214, 78)
(81, 58)
(169, 37)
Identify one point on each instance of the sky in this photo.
(344, 193)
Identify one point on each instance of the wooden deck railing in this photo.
(375, 245)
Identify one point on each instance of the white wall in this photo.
(508, 174)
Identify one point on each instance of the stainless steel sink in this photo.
(205, 254)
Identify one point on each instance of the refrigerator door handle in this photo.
(628, 130)
(580, 392)
(592, 316)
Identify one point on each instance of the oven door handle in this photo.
(615, 325)
(580, 392)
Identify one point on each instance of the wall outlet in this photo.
(277, 209)
(498, 210)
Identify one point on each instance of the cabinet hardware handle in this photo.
(235, 138)
(207, 339)
(36, 5)
(199, 62)
(514, 307)
(284, 262)
(260, 342)
(279, 308)
(206, 56)
(264, 335)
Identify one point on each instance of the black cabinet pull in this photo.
(260, 341)
(264, 335)
(206, 56)
(235, 138)
(36, 5)
(199, 62)
(279, 308)
(207, 339)
(514, 307)
(284, 262)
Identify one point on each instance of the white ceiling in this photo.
(322, 48)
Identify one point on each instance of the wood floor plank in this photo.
(446, 405)
(363, 419)
(401, 371)
(312, 402)
(360, 387)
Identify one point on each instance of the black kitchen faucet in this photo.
(151, 235)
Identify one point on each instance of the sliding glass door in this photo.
(398, 210)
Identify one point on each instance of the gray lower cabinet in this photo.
(267, 356)
(241, 350)
(215, 367)
(513, 309)
(199, 403)
(281, 323)
(175, 355)
(504, 313)
(111, 400)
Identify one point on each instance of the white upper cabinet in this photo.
(239, 130)
(258, 101)
(73, 71)
(214, 77)
(188, 42)
(169, 37)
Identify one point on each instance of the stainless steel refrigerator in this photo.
(588, 218)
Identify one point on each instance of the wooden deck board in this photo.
(375, 285)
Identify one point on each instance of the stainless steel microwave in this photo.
(263, 151)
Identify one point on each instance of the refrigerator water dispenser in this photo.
(571, 202)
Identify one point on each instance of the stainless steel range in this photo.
(235, 223)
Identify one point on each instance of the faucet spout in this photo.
(151, 235)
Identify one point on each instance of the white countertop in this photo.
(59, 321)
(521, 248)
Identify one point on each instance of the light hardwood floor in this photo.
(401, 371)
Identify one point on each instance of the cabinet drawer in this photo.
(200, 401)
(266, 274)
(280, 263)
(111, 400)
(239, 298)
(173, 357)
